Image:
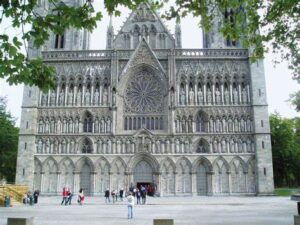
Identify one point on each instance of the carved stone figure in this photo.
(209, 97)
(235, 96)
(52, 98)
(200, 97)
(87, 97)
(70, 98)
(226, 97)
(40, 146)
(105, 96)
(191, 97)
(218, 97)
(44, 99)
(108, 125)
(79, 97)
(62, 98)
(182, 97)
(96, 97)
(244, 96)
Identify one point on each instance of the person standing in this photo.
(138, 196)
(81, 197)
(36, 196)
(106, 195)
(69, 199)
(144, 194)
(121, 194)
(130, 205)
(65, 195)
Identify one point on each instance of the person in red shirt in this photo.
(65, 195)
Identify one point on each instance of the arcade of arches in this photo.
(168, 175)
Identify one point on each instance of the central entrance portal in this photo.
(143, 173)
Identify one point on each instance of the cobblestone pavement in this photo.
(184, 211)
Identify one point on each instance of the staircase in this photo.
(16, 193)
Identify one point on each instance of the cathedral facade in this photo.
(147, 111)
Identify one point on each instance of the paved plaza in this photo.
(184, 211)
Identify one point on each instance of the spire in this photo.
(110, 34)
(178, 35)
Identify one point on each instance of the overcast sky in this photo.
(279, 79)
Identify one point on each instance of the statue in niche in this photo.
(242, 125)
(209, 97)
(182, 97)
(236, 125)
(77, 125)
(41, 126)
(47, 146)
(70, 98)
(58, 125)
(157, 146)
(200, 97)
(177, 146)
(52, 98)
(172, 95)
(79, 96)
(162, 146)
(230, 125)
(218, 125)
(118, 146)
(72, 146)
(52, 126)
(249, 125)
(96, 97)
(223, 143)
(215, 145)
(232, 144)
(87, 97)
(224, 125)
(167, 146)
(244, 96)
(40, 146)
(235, 96)
(128, 146)
(249, 146)
(96, 125)
(218, 97)
(108, 125)
(102, 125)
(63, 146)
(191, 97)
(61, 98)
(64, 125)
(186, 146)
(109, 144)
(105, 96)
(226, 95)
(44, 99)
(47, 126)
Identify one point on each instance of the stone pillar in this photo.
(58, 190)
(100, 94)
(76, 182)
(92, 95)
(248, 93)
(178, 95)
(240, 93)
(213, 94)
(229, 182)
(204, 94)
(175, 182)
(66, 94)
(210, 188)
(42, 182)
(93, 180)
(186, 94)
(83, 94)
(57, 94)
(222, 93)
(230, 93)
(75, 95)
(194, 183)
(48, 99)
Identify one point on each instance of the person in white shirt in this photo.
(130, 204)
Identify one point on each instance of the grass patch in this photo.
(286, 191)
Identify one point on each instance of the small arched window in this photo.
(88, 123)
(87, 147)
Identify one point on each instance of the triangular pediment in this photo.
(143, 55)
(143, 132)
(143, 21)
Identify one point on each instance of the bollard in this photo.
(296, 197)
(20, 221)
(163, 222)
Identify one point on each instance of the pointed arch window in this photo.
(202, 147)
(201, 122)
(88, 123)
(87, 147)
(59, 38)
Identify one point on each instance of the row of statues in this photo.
(74, 126)
(213, 125)
(129, 146)
(213, 98)
(80, 98)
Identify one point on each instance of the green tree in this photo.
(295, 100)
(285, 150)
(8, 143)
(278, 21)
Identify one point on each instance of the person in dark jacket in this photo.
(36, 194)
(106, 195)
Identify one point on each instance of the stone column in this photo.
(240, 93)
(213, 94)
(76, 185)
(204, 94)
(93, 180)
(92, 95)
(210, 188)
(230, 93)
(58, 190)
(100, 94)
(229, 182)
(248, 93)
(222, 93)
(178, 95)
(66, 94)
(42, 182)
(195, 94)
(194, 183)
(83, 94)
(193, 126)
(75, 95)
(186, 94)
(48, 99)
(175, 182)
(57, 94)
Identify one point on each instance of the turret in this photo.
(178, 40)
(110, 35)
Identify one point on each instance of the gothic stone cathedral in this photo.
(147, 111)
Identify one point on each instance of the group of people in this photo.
(31, 198)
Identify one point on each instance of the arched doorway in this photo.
(201, 179)
(85, 178)
(143, 175)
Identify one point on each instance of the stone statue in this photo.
(200, 97)
(244, 96)
(70, 98)
(114, 98)
(41, 126)
(182, 97)
(87, 97)
(108, 125)
(105, 96)
(223, 143)
(44, 99)
(102, 125)
(79, 96)
(157, 146)
(96, 97)
(109, 143)
(61, 98)
(77, 125)
(177, 146)
(40, 146)
(209, 97)
(226, 95)
(215, 144)
(58, 125)
(52, 98)
(47, 126)
(127, 146)
(230, 125)
(232, 146)
(191, 97)
(235, 96)
(218, 97)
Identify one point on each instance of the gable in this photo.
(144, 22)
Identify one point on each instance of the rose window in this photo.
(144, 93)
